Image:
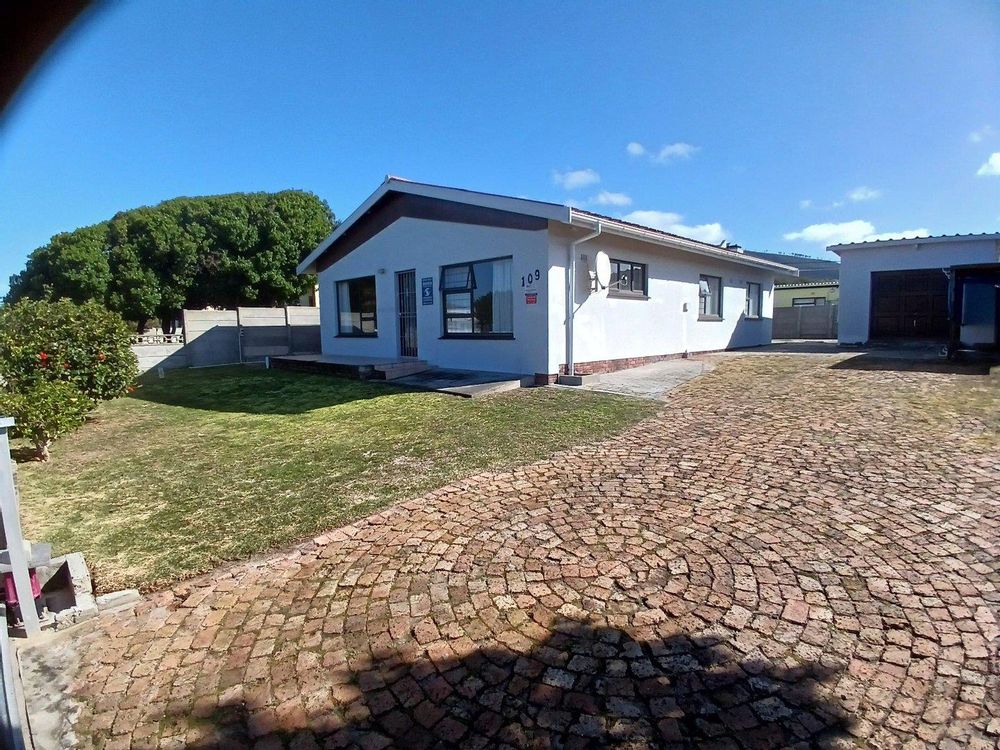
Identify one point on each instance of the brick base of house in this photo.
(603, 366)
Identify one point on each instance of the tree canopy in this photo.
(150, 262)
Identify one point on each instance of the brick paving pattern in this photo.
(789, 555)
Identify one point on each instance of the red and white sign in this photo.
(531, 298)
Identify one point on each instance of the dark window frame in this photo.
(808, 301)
(760, 301)
(707, 315)
(340, 326)
(631, 292)
(470, 290)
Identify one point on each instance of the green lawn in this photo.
(213, 465)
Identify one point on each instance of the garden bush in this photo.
(57, 360)
(45, 410)
(86, 345)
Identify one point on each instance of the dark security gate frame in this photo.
(406, 295)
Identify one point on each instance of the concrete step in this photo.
(402, 369)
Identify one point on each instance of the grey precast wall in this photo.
(211, 337)
(808, 322)
(227, 337)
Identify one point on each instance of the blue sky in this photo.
(780, 126)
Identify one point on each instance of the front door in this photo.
(406, 304)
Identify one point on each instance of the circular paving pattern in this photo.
(687, 584)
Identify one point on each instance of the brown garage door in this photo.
(911, 304)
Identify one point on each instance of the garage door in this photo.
(911, 304)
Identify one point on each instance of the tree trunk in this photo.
(42, 449)
(140, 326)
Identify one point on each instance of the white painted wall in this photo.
(616, 328)
(858, 263)
(425, 246)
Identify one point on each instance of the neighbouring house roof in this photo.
(502, 210)
(911, 241)
(808, 285)
(810, 269)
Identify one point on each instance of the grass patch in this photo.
(213, 465)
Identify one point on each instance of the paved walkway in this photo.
(790, 554)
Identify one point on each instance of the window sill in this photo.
(752, 317)
(627, 295)
(715, 318)
(493, 336)
(357, 336)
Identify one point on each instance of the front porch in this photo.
(350, 366)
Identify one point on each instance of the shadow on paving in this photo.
(581, 687)
(251, 390)
(874, 361)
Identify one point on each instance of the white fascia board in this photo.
(610, 226)
(910, 242)
(306, 266)
(550, 211)
(525, 206)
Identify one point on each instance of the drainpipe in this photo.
(571, 297)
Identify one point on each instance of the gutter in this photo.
(681, 243)
(571, 295)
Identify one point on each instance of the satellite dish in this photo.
(602, 268)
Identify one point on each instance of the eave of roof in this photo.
(551, 211)
(910, 241)
(611, 225)
(808, 285)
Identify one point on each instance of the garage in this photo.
(910, 304)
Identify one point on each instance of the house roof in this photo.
(554, 212)
(911, 241)
(810, 269)
(808, 285)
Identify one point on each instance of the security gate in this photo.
(406, 288)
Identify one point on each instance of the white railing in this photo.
(158, 338)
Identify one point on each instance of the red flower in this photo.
(65, 365)
(43, 356)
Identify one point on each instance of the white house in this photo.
(928, 288)
(470, 280)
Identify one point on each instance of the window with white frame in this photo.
(709, 297)
(753, 300)
(478, 299)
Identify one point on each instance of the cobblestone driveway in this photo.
(789, 554)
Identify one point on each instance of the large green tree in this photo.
(150, 262)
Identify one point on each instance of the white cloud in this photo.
(901, 235)
(576, 178)
(863, 193)
(675, 151)
(805, 203)
(980, 135)
(668, 221)
(991, 167)
(849, 231)
(607, 198)
(668, 153)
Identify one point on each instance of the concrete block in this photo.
(117, 599)
(578, 379)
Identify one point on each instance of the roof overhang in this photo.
(554, 212)
(523, 206)
(589, 221)
(913, 241)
